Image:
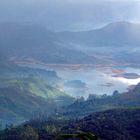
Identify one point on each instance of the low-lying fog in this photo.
(82, 82)
(102, 81)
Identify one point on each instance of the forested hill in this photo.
(119, 124)
(81, 108)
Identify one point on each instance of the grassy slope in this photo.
(35, 86)
(20, 98)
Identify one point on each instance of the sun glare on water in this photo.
(128, 81)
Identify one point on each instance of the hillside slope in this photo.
(113, 34)
(119, 124)
(25, 42)
(82, 108)
(21, 98)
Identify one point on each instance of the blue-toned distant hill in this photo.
(114, 34)
(81, 108)
(35, 42)
(25, 42)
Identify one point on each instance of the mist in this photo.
(61, 15)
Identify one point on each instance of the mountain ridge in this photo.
(81, 108)
(117, 33)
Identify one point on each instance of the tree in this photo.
(116, 93)
(28, 133)
(81, 136)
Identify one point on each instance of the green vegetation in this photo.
(21, 98)
(110, 125)
(81, 108)
(81, 136)
(115, 124)
(23, 133)
(35, 86)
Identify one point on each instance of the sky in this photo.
(61, 15)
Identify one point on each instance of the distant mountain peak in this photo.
(122, 25)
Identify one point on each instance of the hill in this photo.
(25, 91)
(108, 125)
(21, 98)
(24, 42)
(113, 34)
(81, 108)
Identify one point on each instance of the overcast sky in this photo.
(70, 14)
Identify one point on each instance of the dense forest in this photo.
(117, 124)
(94, 103)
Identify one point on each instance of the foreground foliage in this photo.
(81, 136)
(118, 124)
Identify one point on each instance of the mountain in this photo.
(24, 42)
(81, 108)
(33, 85)
(10, 70)
(25, 91)
(114, 34)
(17, 106)
(21, 98)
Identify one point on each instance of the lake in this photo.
(101, 80)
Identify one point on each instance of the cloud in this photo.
(70, 14)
